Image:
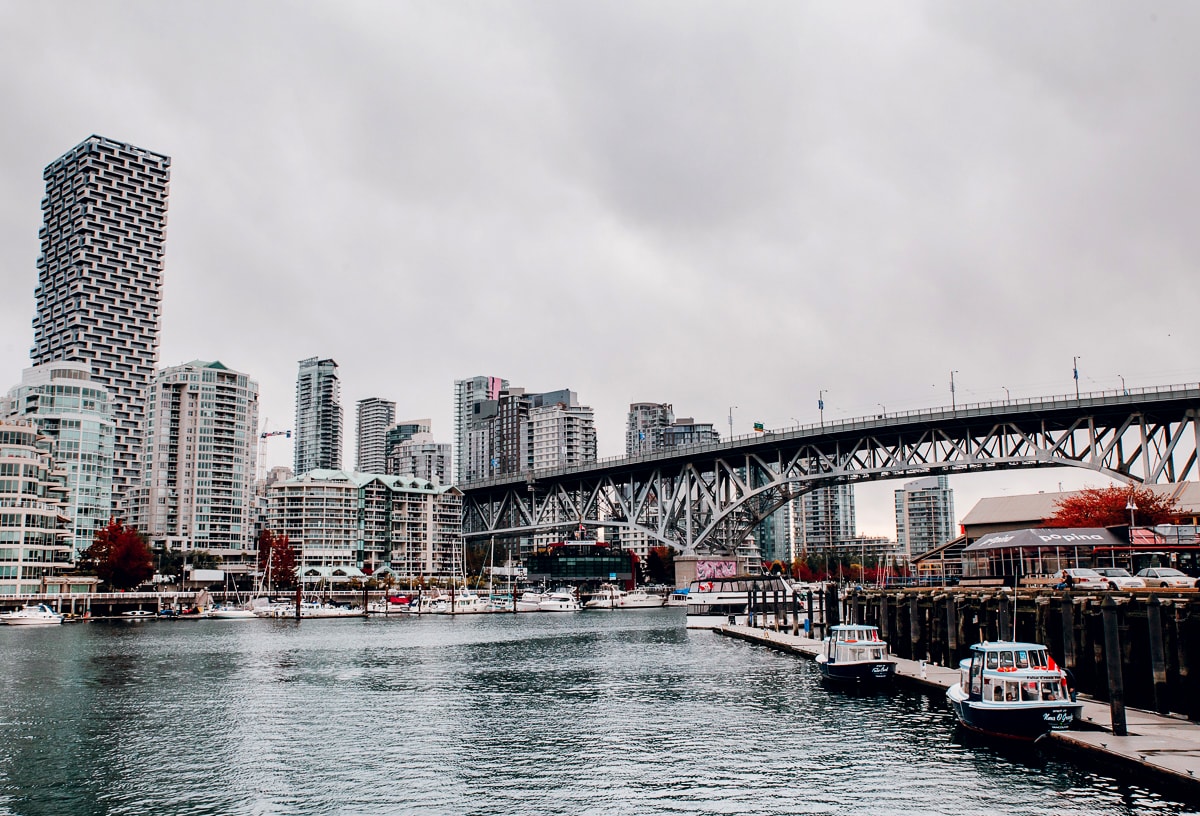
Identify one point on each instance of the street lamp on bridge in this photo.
(953, 404)
(731, 407)
(821, 405)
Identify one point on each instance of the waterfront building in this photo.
(924, 515)
(364, 521)
(35, 541)
(687, 431)
(197, 490)
(422, 457)
(472, 444)
(100, 278)
(645, 425)
(375, 417)
(71, 407)
(318, 430)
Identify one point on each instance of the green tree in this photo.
(119, 556)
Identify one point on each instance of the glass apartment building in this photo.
(72, 408)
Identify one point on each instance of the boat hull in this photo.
(866, 671)
(1016, 721)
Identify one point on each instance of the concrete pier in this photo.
(1167, 746)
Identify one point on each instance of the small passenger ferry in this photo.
(721, 601)
(855, 654)
(1013, 690)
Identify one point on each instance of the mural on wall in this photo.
(709, 570)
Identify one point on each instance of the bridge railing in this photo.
(1088, 398)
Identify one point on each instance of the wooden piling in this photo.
(1158, 662)
(1112, 648)
(1068, 631)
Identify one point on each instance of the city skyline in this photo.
(703, 242)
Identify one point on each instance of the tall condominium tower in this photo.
(826, 518)
(470, 397)
(100, 278)
(924, 515)
(422, 457)
(318, 416)
(375, 417)
(72, 409)
(197, 489)
(561, 434)
(644, 429)
(37, 544)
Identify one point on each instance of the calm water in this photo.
(590, 713)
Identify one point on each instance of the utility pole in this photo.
(731, 407)
(1075, 372)
(821, 405)
(953, 404)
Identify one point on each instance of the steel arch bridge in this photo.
(708, 497)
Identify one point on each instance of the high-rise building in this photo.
(71, 408)
(644, 427)
(34, 542)
(318, 416)
(100, 278)
(924, 515)
(471, 434)
(422, 457)
(825, 519)
(197, 490)
(687, 431)
(375, 417)
(561, 434)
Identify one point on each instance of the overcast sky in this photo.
(707, 204)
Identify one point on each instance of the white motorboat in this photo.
(606, 597)
(530, 601)
(640, 599)
(32, 615)
(678, 598)
(721, 601)
(463, 602)
(231, 613)
(560, 600)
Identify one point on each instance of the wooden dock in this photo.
(1167, 746)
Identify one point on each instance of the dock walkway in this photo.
(1167, 746)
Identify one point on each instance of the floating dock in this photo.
(1167, 746)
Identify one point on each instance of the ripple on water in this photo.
(530, 714)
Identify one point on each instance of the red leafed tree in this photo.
(1108, 507)
(120, 556)
(277, 559)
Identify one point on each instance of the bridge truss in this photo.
(709, 497)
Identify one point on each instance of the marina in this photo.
(663, 720)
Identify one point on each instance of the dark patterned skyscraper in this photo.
(100, 278)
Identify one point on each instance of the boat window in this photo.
(1037, 658)
(1050, 691)
(1029, 691)
(993, 660)
(877, 654)
(998, 693)
(976, 676)
(1006, 660)
(1011, 691)
(1022, 659)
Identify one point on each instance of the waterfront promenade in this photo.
(1164, 745)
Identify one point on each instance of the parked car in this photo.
(1118, 578)
(1165, 577)
(1083, 578)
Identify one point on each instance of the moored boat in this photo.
(560, 600)
(1013, 690)
(606, 597)
(855, 653)
(640, 599)
(530, 601)
(32, 615)
(721, 601)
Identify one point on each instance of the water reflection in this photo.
(531, 714)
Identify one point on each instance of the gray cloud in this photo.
(710, 204)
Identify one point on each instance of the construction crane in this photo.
(262, 448)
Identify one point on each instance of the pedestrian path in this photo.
(1168, 746)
